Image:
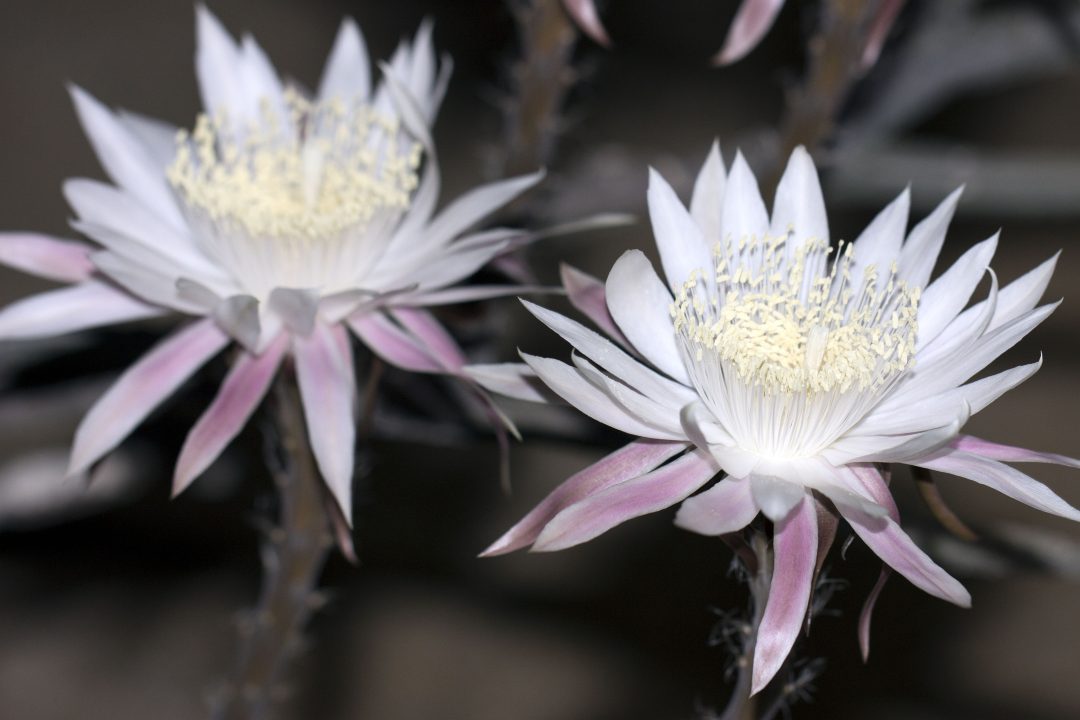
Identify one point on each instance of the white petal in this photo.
(297, 308)
(923, 245)
(743, 214)
(348, 70)
(683, 249)
(217, 65)
(610, 357)
(799, 206)
(726, 507)
(1006, 480)
(639, 304)
(125, 159)
(650, 412)
(514, 380)
(570, 384)
(78, 307)
(775, 497)
(946, 297)
(879, 244)
(324, 372)
(708, 195)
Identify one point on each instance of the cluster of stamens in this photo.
(787, 321)
(330, 169)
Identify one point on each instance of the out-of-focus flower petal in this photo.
(79, 307)
(141, 388)
(327, 383)
(752, 21)
(588, 20)
(124, 158)
(514, 380)
(241, 392)
(880, 26)
(46, 257)
(391, 343)
(348, 71)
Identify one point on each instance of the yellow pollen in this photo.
(331, 171)
(789, 321)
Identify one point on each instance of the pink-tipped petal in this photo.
(46, 257)
(586, 293)
(324, 373)
(752, 21)
(431, 334)
(879, 30)
(393, 344)
(143, 387)
(240, 393)
(633, 460)
(78, 307)
(724, 508)
(1005, 479)
(867, 613)
(607, 508)
(588, 20)
(795, 547)
(885, 538)
(1009, 453)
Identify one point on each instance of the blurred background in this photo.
(117, 603)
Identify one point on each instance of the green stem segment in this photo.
(292, 562)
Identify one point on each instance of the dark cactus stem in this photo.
(293, 558)
(834, 65)
(542, 77)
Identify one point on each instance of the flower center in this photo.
(334, 171)
(782, 333)
(306, 197)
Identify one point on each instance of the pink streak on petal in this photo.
(885, 538)
(240, 393)
(883, 21)
(869, 479)
(327, 391)
(393, 344)
(585, 16)
(634, 459)
(726, 507)
(86, 305)
(603, 510)
(752, 21)
(795, 546)
(1009, 453)
(868, 612)
(47, 257)
(587, 294)
(142, 388)
(439, 343)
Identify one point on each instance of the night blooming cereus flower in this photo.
(279, 221)
(789, 368)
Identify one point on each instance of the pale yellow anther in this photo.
(326, 171)
(797, 326)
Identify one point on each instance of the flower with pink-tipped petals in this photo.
(278, 224)
(787, 370)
